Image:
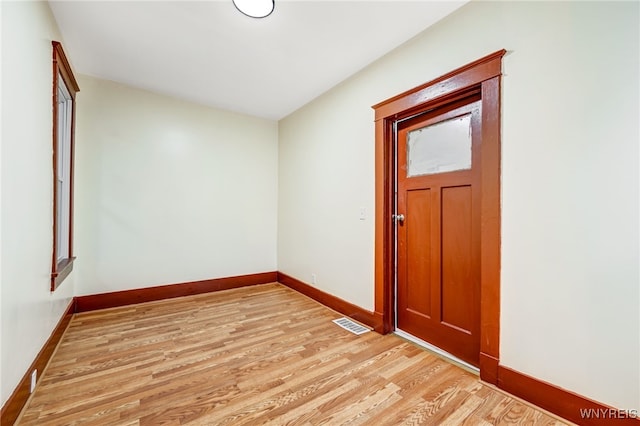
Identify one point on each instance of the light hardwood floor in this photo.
(254, 355)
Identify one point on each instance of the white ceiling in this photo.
(209, 53)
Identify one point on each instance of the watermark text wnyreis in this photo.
(607, 413)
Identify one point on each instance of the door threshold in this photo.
(436, 350)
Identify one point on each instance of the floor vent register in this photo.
(351, 326)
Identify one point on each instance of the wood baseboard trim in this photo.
(149, 294)
(12, 408)
(349, 309)
(562, 402)
(378, 326)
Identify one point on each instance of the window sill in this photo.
(63, 269)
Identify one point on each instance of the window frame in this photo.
(61, 69)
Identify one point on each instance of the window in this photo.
(65, 88)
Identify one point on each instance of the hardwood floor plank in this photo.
(463, 412)
(253, 355)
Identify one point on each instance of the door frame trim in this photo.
(484, 75)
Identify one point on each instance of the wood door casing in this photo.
(484, 75)
(438, 294)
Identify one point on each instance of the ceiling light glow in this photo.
(255, 8)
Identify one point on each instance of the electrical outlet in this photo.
(34, 380)
(313, 278)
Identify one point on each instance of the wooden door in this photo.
(438, 228)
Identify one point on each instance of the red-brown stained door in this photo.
(438, 293)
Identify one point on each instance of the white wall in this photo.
(29, 311)
(169, 191)
(570, 195)
(326, 177)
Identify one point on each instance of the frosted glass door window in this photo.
(441, 147)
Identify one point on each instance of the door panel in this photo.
(438, 296)
(418, 253)
(457, 251)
